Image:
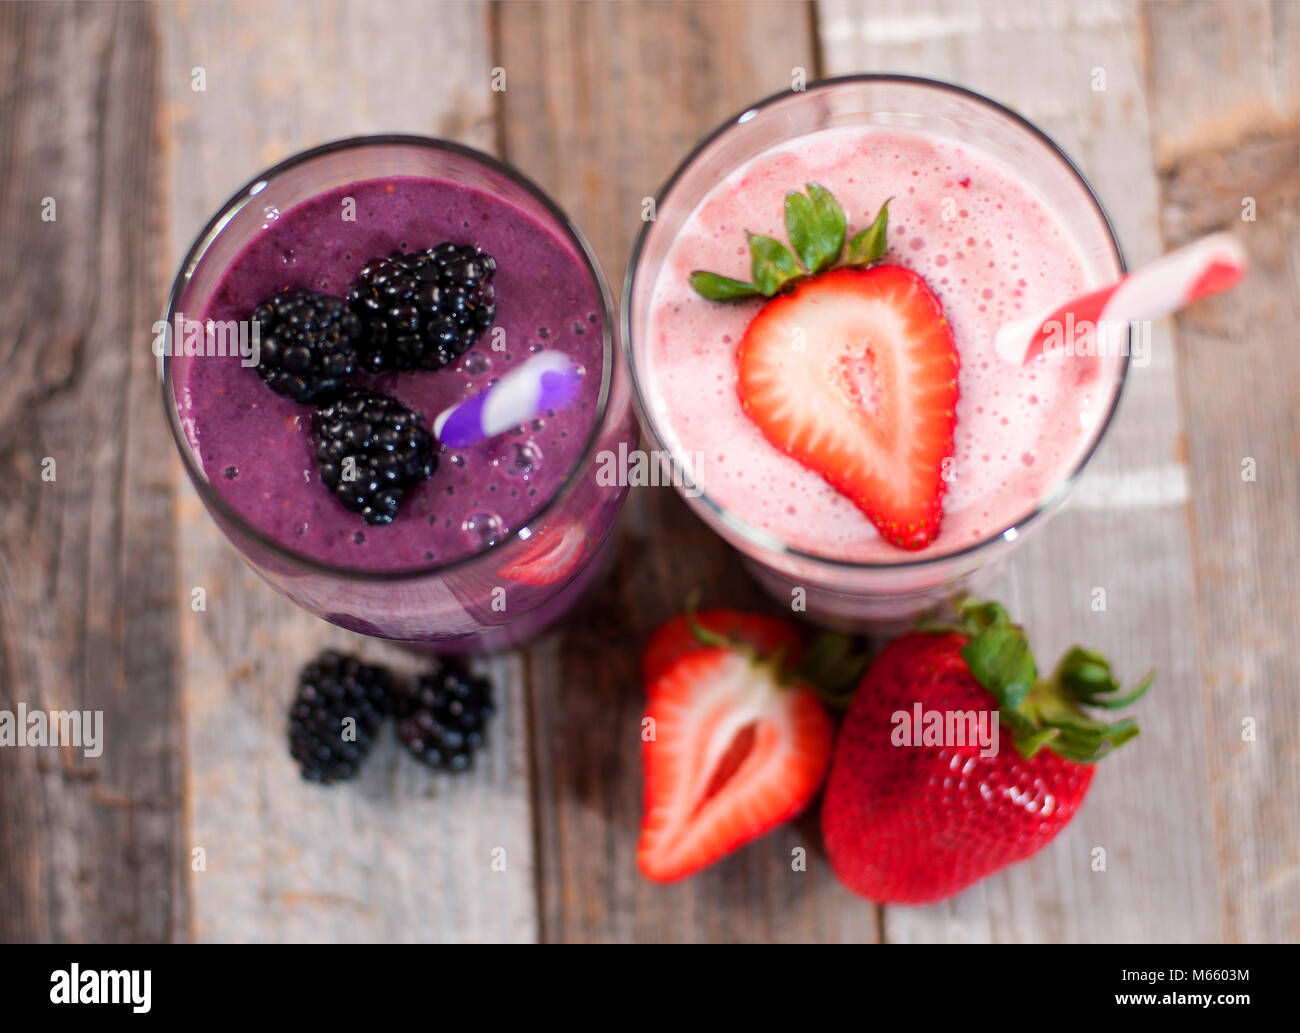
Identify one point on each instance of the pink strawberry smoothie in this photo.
(990, 249)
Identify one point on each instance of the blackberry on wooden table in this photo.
(442, 715)
(332, 689)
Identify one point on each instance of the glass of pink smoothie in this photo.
(507, 534)
(998, 222)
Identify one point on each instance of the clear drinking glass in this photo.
(846, 593)
(472, 603)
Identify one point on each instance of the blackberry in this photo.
(389, 448)
(440, 717)
(332, 688)
(423, 310)
(308, 344)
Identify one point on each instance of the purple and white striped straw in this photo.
(549, 380)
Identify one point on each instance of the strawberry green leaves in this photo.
(816, 227)
(1086, 676)
(833, 665)
(815, 224)
(799, 219)
(774, 266)
(721, 288)
(867, 247)
(999, 656)
(1045, 712)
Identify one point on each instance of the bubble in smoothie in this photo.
(518, 459)
(476, 363)
(483, 528)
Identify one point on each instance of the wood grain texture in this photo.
(88, 846)
(1149, 807)
(401, 854)
(1217, 69)
(603, 101)
(1228, 136)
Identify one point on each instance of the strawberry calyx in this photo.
(816, 227)
(831, 666)
(1043, 712)
(769, 664)
(707, 637)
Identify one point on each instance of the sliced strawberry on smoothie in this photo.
(869, 400)
(733, 751)
(850, 368)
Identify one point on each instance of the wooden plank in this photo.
(1149, 807)
(401, 854)
(603, 100)
(1239, 380)
(1235, 72)
(89, 846)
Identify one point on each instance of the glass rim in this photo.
(235, 204)
(768, 541)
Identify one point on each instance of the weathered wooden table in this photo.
(1178, 113)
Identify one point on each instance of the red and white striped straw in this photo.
(1210, 265)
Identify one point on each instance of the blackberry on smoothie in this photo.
(257, 445)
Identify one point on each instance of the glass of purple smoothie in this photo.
(506, 535)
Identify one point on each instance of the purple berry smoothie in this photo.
(255, 445)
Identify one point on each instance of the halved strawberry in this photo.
(854, 374)
(733, 753)
(675, 638)
(551, 556)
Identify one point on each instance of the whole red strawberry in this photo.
(922, 798)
